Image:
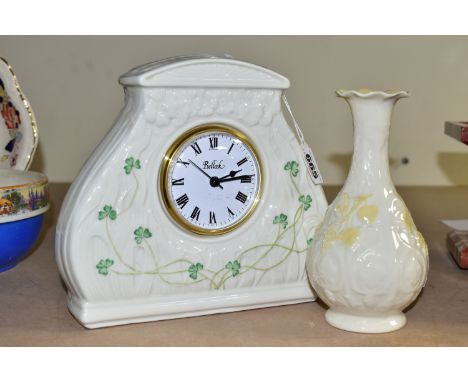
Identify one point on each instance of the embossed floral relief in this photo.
(345, 229)
(408, 222)
(177, 106)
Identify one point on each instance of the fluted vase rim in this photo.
(370, 93)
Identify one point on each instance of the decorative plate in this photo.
(18, 130)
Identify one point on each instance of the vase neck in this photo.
(371, 130)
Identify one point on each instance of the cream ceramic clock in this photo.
(196, 202)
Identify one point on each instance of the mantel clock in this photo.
(197, 201)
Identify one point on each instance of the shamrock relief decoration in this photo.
(193, 270)
(234, 267)
(292, 167)
(141, 234)
(282, 220)
(103, 266)
(130, 164)
(109, 212)
(306, 200)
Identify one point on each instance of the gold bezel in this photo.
(174, 148)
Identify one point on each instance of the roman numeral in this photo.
(241, 197)
(213, 143)
(246, 178)
(230, 148)
(230, 212)
(186, 164)
(196, 148)
(241, 162)
(178, 182)
(195, 213)
(182, 201)
(212, 218)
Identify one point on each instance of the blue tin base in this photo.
(16, 239)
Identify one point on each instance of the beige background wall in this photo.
(72, 85)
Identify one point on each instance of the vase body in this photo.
(368, 261)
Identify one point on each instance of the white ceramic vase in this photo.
(368, 261)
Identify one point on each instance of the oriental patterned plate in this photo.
(18, 130)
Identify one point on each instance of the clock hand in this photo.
(235, 178)
(231, 174)
(199, 168)
(211, 179)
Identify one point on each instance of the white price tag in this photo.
(311, 164)
(308, 155)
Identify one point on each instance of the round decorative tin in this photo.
(23, 194)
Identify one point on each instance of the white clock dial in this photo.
(212, 181)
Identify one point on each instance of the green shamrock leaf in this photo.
(141, 234)
(234, 267)
(107, 211)
(281, 219)
(309, 241)
(130, 164)
(193, 270)
(306, 200)
(103, 266)
(293, 167)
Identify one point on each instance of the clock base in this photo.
(122, 312)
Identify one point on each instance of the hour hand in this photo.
(231, 174)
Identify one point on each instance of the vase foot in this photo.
(366, 324)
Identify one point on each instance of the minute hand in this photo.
(235, 178)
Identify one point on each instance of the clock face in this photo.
(211, 179)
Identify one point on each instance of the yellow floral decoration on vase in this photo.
(343, 231)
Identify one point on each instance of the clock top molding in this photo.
(204, 71)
